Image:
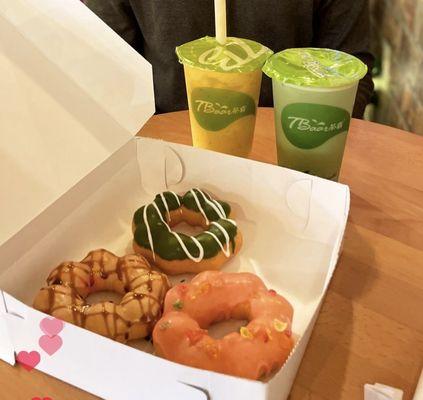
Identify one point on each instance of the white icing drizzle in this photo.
(197, 201)
(178, 238)
(195, 259)
(231, 221)
(161, 216)
(214, 204)
(176, 197)
(220, 208)
(166, 205)
(147, 225)
(177, 200)
(225, 234)
(226, 251)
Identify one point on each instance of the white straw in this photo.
(220, 20)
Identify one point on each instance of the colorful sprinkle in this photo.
(183, 288)
(200, 290)
(194, 336)
(245, 333)
(211, 350)
(279, 325)
(164, 325)
(178, 305)
(272, 292)
(204, 288)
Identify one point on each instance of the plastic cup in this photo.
(223, 87)
(314, 92)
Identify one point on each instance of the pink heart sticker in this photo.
(39, 398)
(51, 326)
(28, 360)
(50, 344)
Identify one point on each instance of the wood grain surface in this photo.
(370, 328)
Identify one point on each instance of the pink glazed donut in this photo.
(257, 351)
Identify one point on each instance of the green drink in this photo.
(314, 92)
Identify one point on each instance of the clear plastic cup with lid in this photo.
(223, 84)
(314, 91)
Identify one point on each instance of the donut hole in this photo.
(104, 295)
(225, 323)
(222, 328)
(187, 229)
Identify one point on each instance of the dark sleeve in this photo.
(345, 25)
(119, 16)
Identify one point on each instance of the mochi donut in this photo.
(134, 317)
(177, 253)
(257, 351)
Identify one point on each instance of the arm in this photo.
(344, 25)
(119, 16)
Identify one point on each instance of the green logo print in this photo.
(309, 125)
(215, 109)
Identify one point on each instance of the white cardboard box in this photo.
(72, 176)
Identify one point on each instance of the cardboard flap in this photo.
(73, 92)
(163, 170)
(7, 350)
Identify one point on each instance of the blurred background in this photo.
(397, 37)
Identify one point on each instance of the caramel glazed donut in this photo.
(177, 253)
(257, 351)
(71, 282)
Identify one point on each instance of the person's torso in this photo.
(165, 24)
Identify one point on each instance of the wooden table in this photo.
(370, 328)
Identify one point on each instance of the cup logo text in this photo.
(215, 109)
(313, 125)
(308, 125)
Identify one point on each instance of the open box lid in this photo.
(72, 93)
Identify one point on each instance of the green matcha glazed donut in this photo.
(175, 252)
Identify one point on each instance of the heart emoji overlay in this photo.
(41, 398)
(28, 360)
(50, 344)
(51, 326)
